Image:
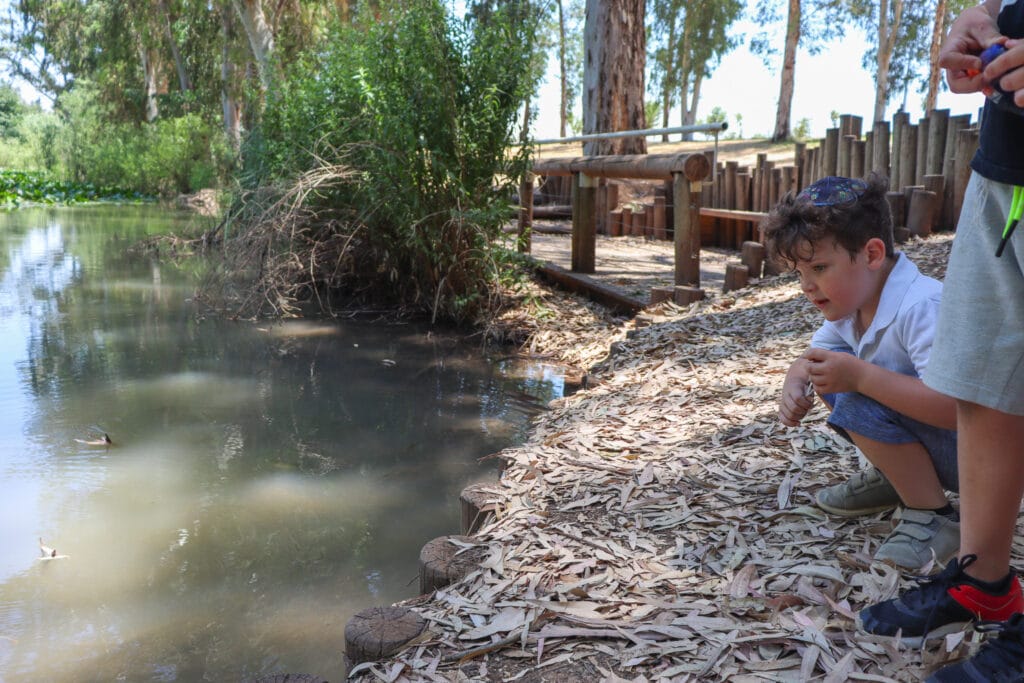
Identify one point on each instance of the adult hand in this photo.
(1005, 70)
(973, 31)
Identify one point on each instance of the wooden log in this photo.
(526, 209)
(908, 155)
(649, 221)
(612, 193)
(899, 120)
(659, 218)
(639, 216)
(830, 160)
(601, 207)
(686, 197)
(938, 124)
(900, 235)
(584, 238)
(379, 632)
(614, 223)
(937, 184)
(552, 211)
(921, 213)
(949, 211)
(441, 563)
(684, 295)
(477, 503)
(752, 256)
(627, 220)
(920, 166)
(845, 153)
(661, 294)
(880, 148)
(850, 124)
(898, 208)
(736, 276)
(966, 146)
(858, 149)
(799, 160)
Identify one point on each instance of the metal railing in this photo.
(716, 128)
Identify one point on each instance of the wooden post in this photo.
(799, 159)
(441, 563)
(845, 152)
(523, 240)
(908, 155)
(937, 127)
(899, 120)
(686, 197)
(752, 256)
(850, 124)
(949, 210)
(830, 162)
(880, 148)
(921, 159)
(898, 208)
(584, 240)
(601, 207)
(857, 152)
(615, 223)
(626, 221)
(966, 146)
(736, 277)
(921, 213)
(937, 184)
(379, 632)
(659, 218)
(477, 503)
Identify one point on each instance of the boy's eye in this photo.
(819, 268)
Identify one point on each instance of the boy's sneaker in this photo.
(865, 493)
(940, 604)
(1000, 660)
(919, 534)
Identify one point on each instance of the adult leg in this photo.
(990, 444)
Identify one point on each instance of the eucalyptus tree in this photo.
(570, 58)
(689, 38)
(809, 24)
(613, 74)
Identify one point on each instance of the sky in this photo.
(833, 80)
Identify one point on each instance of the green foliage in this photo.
(17, 187)
(12, 111)
(421, 107)
(802, 130)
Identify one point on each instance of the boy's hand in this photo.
(795, 403)
(833, 372)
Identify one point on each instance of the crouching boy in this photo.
(866, 361)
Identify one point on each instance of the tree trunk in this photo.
(691, 116)
(183, 80)
(261, 38)
(613, 74)
(524, 134)
(935, 72)
(149, 82)
(563, 107)
(230, 107)
(886, 44)
(685, 66)
(671, 76)
(787, 79)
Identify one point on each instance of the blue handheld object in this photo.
(1001, 98)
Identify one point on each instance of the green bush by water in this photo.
(420, 108)
(18, 187)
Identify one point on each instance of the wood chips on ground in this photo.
(660, 525)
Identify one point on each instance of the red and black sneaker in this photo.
(941, 604)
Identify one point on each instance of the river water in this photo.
(265, 481)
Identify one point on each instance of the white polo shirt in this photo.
(900, 337)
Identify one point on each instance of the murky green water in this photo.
(265, 483)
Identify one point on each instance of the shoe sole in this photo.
(847, 512)
(917, 641)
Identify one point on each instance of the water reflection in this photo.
(265, 481)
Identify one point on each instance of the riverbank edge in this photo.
(659, 525)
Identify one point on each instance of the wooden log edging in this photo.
(477, 503)
(443, 562)
(379, 632)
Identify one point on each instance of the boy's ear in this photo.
(875, 250)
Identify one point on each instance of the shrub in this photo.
(418, 109)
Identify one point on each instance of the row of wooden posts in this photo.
(927, 164)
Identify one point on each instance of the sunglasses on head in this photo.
(833, 191)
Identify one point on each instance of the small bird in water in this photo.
(103, 441)
(48, 553)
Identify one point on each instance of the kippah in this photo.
(833, 190)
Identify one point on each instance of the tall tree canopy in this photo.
(688, 39)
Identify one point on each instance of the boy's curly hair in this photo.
(798, 221)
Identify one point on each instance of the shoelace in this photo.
(930, 589)
(1016, 212)
(1006, 651)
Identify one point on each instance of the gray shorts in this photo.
(856, 413)
(978, 352)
